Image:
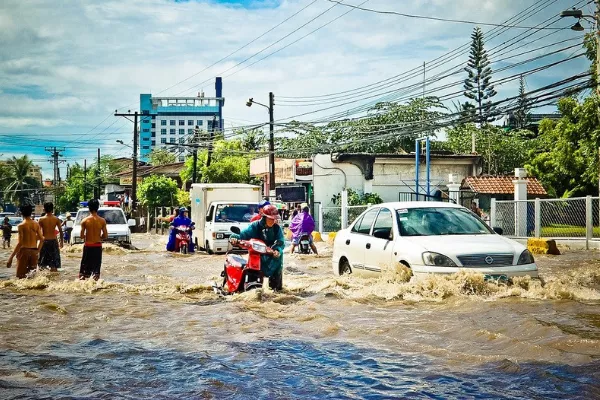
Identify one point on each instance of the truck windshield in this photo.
(112, 217)
(235, 212)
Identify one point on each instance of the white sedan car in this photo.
(429, 238)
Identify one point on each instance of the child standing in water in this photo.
(6, 233)
(50, 253)
(27, 248)
(93, 231)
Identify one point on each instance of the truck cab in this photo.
(217, 207)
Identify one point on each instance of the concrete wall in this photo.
(390, 176)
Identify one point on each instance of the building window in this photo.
(163, 122)
(199, 122)
(181, 122)
(181, 140)
(190, 122)
(182, 131)
(146, 147)
(172, 131)
(172, 122)
(163, 131)
(145, 130)
(172, 140)
(153, 134)
(163, 140)
(146, 138)
(181, 158)
(153, 143)
(154, 125)
(190, 131)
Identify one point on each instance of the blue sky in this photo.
(65, 67)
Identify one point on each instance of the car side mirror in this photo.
(131, 222)
(498, 230)
(235, 229)
(208, 218)
(382, 234)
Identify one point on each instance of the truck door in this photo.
(208, 224)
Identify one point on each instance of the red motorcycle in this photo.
(182, 239)
(239, 274)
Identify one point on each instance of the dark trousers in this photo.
(276, 280)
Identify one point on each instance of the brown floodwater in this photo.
(153, 327)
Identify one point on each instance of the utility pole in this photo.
(271, 145)
(97, 185)
(55, 153)
(195, 155)
(133, 197)
(211, 136)
(85, 180)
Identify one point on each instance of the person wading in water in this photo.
(93, 231)
(50, 252)
(27, 248)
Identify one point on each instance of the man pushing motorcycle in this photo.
(268, 230)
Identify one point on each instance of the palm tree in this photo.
(18, 180)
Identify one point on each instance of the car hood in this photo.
(466, 244)
(114, 229)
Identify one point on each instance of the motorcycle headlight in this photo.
(437, 260)
(260, 248)
(525, 258)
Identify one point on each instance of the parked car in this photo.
(14, 221)
(428, 238)
(6, 214)
(116, 223)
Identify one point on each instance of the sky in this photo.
(66, 66)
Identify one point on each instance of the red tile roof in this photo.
(500, 185)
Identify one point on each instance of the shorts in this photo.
(6, 238)
(50, 254)
(26, 261)
(91, 261)
(297, 241)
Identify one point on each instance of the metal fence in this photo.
(548, 218)
(332, 219)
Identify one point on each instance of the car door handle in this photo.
(368, 245)
(348, 241)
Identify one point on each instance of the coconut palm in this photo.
(18, 182)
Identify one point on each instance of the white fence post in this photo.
(538, 218)
(320, 213)
(493, 218)
(589, 222)
(344, 210)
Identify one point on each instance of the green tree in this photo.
(252, 140)
(158, 190)
(566, 154)
(521, 115)
(73, 192)
(501, 152)
(589, 44)
(183, 198)
(20, 184)
(161, 157)
(477, 85)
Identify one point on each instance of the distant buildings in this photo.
(172, 120)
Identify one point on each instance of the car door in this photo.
(357, 239)
(380, 243)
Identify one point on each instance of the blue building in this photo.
(174, 119)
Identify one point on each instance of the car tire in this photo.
(345, 268)
(208, 249)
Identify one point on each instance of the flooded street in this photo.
(152, 327)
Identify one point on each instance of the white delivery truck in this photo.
(216, 207)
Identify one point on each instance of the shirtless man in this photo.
(93, 231)
(50, 252)
(27, 248)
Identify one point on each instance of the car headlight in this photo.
(525, 258)
(220, 236)
(437, 260)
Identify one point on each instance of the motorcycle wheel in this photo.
(183, 249)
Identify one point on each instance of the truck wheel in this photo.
(208, 249)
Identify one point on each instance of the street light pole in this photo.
(271, 138)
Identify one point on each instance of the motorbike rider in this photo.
(303, 224)
(181, 220)
(66, 228)
(261, 206)
(268, 230)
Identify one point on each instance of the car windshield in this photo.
(235, 212)
(112, 217)
(15, 221)
(433, 221)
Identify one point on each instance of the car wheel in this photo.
(345, 268)
(208, 249)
